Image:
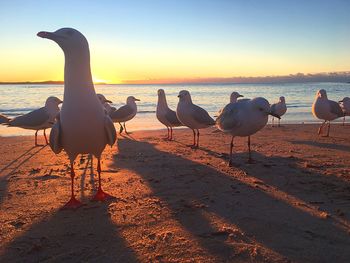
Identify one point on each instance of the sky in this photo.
(141, 41)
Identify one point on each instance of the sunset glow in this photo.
(167, 42)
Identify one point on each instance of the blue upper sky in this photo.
(235, 37)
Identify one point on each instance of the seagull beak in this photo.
(274, 115)
(45, 34)
(108, 101)
(240, 96)
(341, 101)
(60, 102)
(137, 100)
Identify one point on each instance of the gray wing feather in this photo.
(228, 118)
(110, 131)
(3, 119)
(202, 116)
(55, 138)
(273, 107)
(31, 119)
(121, 113)
(172, 118)
(336, 109)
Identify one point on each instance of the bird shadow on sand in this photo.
(84, 235)
(14, 166)
(289, 175)
(88, 167)
(332, 146)
(277, 225)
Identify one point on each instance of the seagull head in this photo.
(52, 102)
(184, 96)
(161, 92)
(282, 99)
(234, 96)
(131, 99)
(69, 39)
(345, 100)
(103, 99)
(321, 94)
(262, 106)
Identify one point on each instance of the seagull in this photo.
(83, 127)
(234, 96)
(192, 116)
(165, 115)
(3, 119)
(243, 119)
(105, 103)
(345, 105)
(279, 108)
(125, 113)
(39, 119)
(326, 110)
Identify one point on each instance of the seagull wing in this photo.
(4, 119)
(336, 109)
(121, 113)
(55, 137)
(172, 118)
(273, 107)
(32, 119)
(110, 131)
(229, 117)
(201, 115)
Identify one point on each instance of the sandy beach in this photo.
(177, 204)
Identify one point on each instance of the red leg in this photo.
(171, 133)
(168, 133)
(344, 121)
(279, 122)
(194, 138)
(329, 126)
(73, 203)
(250, 160)
(45, 137)
(36, 138)
(125, 128)
(273, 119)
(321, 127)
(100, 195)
(197, 138)
(231, 148)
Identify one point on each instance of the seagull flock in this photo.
(85, 122)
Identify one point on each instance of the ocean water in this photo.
(20, 99)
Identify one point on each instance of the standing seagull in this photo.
(234, 96)
(165, 115)
(83, 127)
(326, 110)
(192, 116)
(105, 103)
(125, 113)
(243, 119)
(279, 108)
(3, 119)
(345, 105)
(40, 119)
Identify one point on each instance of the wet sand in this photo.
(178, 204)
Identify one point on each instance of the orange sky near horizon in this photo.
(170, 40)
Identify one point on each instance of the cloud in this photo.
(292, 78)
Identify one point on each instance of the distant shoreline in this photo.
(177, 83)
